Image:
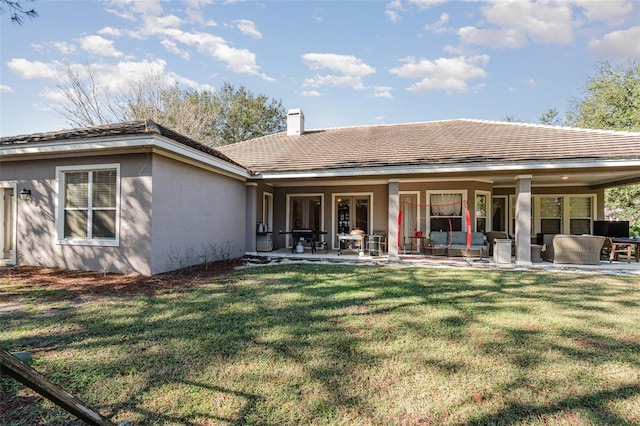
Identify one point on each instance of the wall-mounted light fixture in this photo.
(564, 177)
(25, 194)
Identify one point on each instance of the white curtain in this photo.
(446, 204)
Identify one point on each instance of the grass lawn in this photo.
(338, 345)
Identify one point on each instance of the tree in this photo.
(612, 99)
(551, 118)
(612, 102)
(186, 112)
(222, 117)
(17, 11)
(241, 115)
(87, 101)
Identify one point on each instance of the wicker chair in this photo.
(577, 249)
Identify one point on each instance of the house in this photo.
(137, 197)
(131, 198)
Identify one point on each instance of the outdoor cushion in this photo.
(439, 238)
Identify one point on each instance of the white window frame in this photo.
(417, 219)
(507, 212)
(288, 212)
(566, 211)
(13, 259)
(488, 203)
(537, 212)
(465, 197)
(267, 210)
(60, 239)
(334, 208)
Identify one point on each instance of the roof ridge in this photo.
(548, 126)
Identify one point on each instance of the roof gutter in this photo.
(449, 168)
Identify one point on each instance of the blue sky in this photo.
(342, 63)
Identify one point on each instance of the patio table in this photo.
(351, 237)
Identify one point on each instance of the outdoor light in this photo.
(564, 177)
(25, 194)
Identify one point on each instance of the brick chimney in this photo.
(295, 122)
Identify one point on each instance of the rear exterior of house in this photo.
(404, 180)
(139, 198)
(123, 198)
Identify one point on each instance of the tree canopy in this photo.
(612, 101)
(228, 115)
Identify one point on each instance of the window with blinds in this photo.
(90, 203)
(551, 215)
(580, 215)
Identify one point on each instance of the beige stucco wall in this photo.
(198, 216)
(36, 235)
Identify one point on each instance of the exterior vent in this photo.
(295, 122)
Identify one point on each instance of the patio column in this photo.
(251, 218)
(523, 219)
(392, 225)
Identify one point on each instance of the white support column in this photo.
(523, 219)
(251, 218)
(392, 225)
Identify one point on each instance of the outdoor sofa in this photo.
(577, 249)
(439, 243)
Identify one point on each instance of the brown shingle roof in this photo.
(430, 143)
(142, 127)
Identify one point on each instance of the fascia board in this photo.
(464, 168)
(103, 145)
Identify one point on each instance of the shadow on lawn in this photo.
(293, 312)
(595, 403)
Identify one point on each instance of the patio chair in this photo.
(613, 249)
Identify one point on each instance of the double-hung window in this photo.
(88, 204)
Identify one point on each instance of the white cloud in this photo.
(439, 26)
(610, 11)
(64, 48)
(310, 93)
(32, 70)
(425, 4)
(5, 88)
(248, 28)
(195, 11)
(110, 31)
(126, 8)
(345, 64)
(171, 47)
(618, 44)
(241, 61)
(154, 24)
(393, 10)
(513, 24)
(511, 38)
(382, 92)
(449, 74)
(530, 82)
(99, 45)
(349, 68)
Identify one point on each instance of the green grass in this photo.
(341, 345)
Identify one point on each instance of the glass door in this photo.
(352, 213)
(305, 213)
